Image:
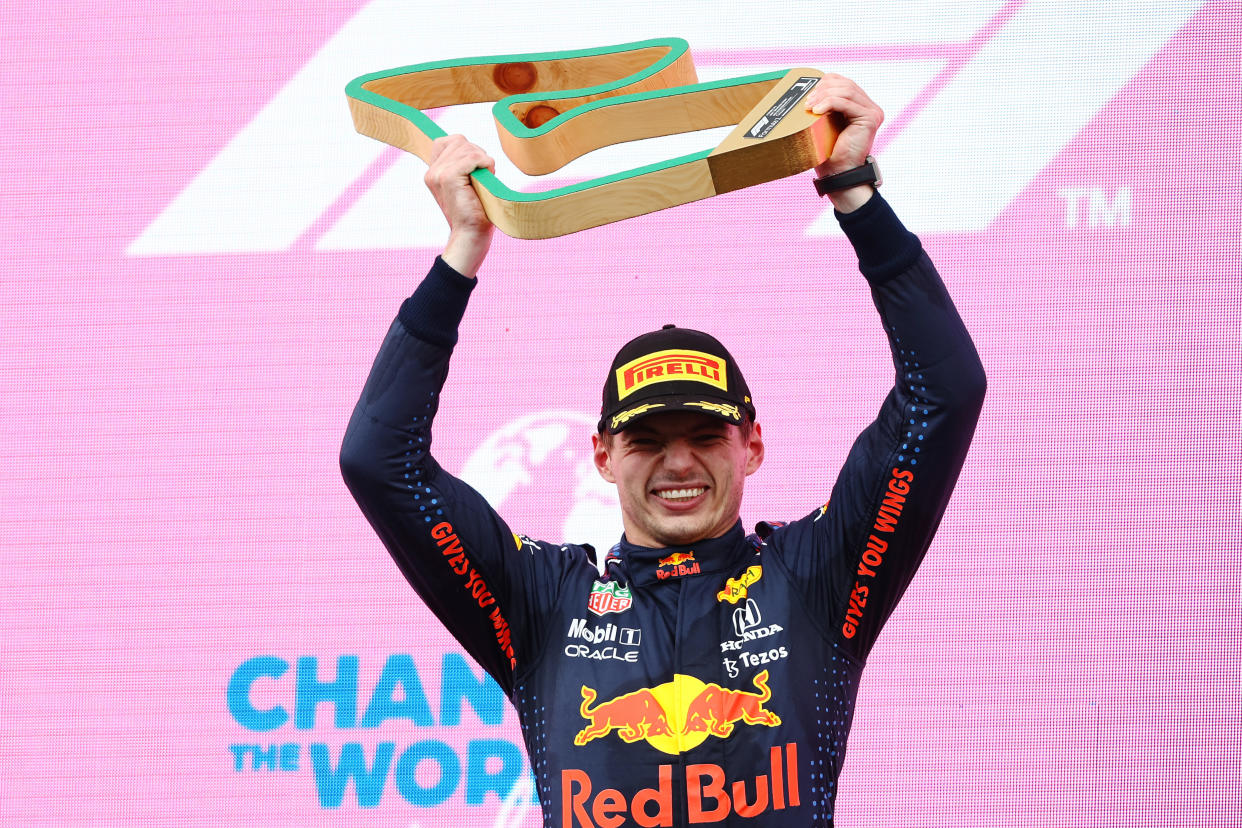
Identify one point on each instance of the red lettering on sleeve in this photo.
(887, 519)
(475, 586)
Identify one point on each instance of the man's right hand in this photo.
(453, 158)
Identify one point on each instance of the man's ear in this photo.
(754, 451)
(603, 461)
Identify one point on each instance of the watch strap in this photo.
(868, 173)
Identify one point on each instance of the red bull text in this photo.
(710, 795)
(681, 563)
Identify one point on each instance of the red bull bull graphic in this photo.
(676, 558)
(717, 709)
(634, 716)
(682, 563)
(710, 795)
(663, 717)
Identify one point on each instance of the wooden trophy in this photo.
(554, 107)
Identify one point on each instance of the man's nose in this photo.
(678, 456)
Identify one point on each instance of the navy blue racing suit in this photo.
(706, 684)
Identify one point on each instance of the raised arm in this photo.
(858, 553)
(457, 553)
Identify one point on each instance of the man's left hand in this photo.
(863, 117)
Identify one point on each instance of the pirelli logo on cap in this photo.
(666, 366)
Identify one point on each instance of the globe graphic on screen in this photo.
(537, 472)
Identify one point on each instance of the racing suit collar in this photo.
(646, 565)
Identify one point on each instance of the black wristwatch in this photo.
(868, 173)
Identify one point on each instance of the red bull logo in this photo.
(716, 709)
(634, 716)
(661, 716)
(710, 795)
(682, 563)
(676, 558)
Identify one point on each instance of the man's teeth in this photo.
(680, 494)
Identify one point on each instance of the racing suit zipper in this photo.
(678, 700)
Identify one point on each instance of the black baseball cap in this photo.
(673, 369)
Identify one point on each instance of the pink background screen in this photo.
(201, 257)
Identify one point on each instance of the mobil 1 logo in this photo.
(609, 642)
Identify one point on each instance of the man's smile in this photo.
(680, 495)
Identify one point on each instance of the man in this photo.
(707, 676)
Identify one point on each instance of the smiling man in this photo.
(706, 676)
(677, 436)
